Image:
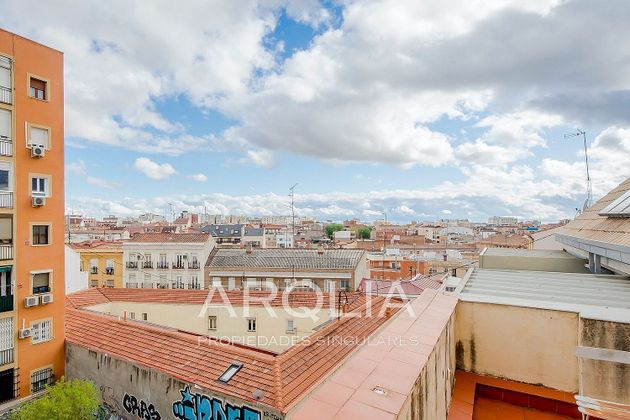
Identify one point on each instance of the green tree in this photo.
(364, 232)
(332, 228)
(66, 400)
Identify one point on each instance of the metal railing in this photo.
(41, 289)
(6, 356)
(177, 266)
(94, 270)
(6, 251)
(5, 94)
(147, 264)
(162, 265)
(193, 265)
(132, 265)
(6, 199)
(6, 146)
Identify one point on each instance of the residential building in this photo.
(31, 216)
(503, 220)
(344, 235)
(75, 278)
(338, 269)
(285, 239)
(254, 237)
(166, 260)
(395, 267)
(102, 261)
(226, 235)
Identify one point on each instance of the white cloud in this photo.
(99, 182)
(199, 177)
(153, 169)
(76, 168)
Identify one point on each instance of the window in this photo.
(212, 323)
(5, 80)
(94, 266)
(251, 324)
(5, 178)
(40, 235)
(345, 284)
(131, 282)
(38, 136)
(147, 284)
(109, 267)
(41, 378)
(41, 332)
(132, 315)
(145, 316)
(38, 89)
(216, 282)
(179, 283)
(194, 282)
(230, 372)
(94, 283)
(290, 326)
(5, 124)
(41, 283)
(39, 186)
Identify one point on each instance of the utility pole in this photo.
(291, 194)
(589, 187)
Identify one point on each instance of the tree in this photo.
(332, 228)
(364, 232)
(66, 400)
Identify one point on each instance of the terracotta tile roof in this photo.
(590, 225)
(97, 245)
(179, 238)
(407, 287)
(283, 258)
(296, 299)
(284, 378)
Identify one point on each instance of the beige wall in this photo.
(529, 345)
(431, 394)
(271, 333)
(561, 263)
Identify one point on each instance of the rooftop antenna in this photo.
(291, 194)
(589, 187)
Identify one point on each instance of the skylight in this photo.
(230, 372)
(618, 208)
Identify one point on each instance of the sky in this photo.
(405, 109)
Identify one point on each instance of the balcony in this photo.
(147, 264)
(6, 199)
(6, 146)
(109, 271)
(5, 95)
(6, 251)
(162, 265)
(93, 270)
(6, 356)
(178, 266)
(6, 303)
(193, 265)
(132, 265)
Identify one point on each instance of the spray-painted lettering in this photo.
(140, 408)
(201, 407)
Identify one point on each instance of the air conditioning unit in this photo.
(37, 151)
(30, 301)
(39, 201)
(25, 333)
(47, 298)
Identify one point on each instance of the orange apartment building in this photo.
(395, 267)
(31, 216)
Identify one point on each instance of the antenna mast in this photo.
(589, 186)
(291, 194)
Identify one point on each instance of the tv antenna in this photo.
(291, 194)
(589, 186)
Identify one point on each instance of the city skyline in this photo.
(435, 119)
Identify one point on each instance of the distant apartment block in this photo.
(103, 261)
(503, 220)
(338, 269)
(166, 260)
(31, 216)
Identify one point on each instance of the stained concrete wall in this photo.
(554, 261)
(430, 396)
(116, 378)
(605, 380)
(529, 345)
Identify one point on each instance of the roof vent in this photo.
(258, 394)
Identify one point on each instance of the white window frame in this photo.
(41, 331)
(251, 325)
(37, 192)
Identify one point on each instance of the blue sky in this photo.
(422, 110)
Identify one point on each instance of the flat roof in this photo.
(593, 295)
(527, 253)
(283, 378)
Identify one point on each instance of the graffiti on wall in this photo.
(201, 407)
(139, 408)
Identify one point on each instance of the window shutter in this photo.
(6, 333)
(40, 279)
(39, 136)
(5, 75)
(5, 123)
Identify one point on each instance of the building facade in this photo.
(166, 260)
(31, 216)
(102, 261)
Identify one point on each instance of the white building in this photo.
(166, 260)
(75, 279)
(502, 220)
(344, 235)
(284, 239)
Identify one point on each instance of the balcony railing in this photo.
(132, 265)
(94, 270)
(162, 265)
(6, 199)
(132, 285)
(147, 264)
(109, 271)
(6, 146)
(6, 356)
(178, 266)
(6, 303)
(193, 265)
(6, 251)
(5, 95)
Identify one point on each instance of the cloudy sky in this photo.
(422, 109)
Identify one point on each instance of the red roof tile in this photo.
(179, 238)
